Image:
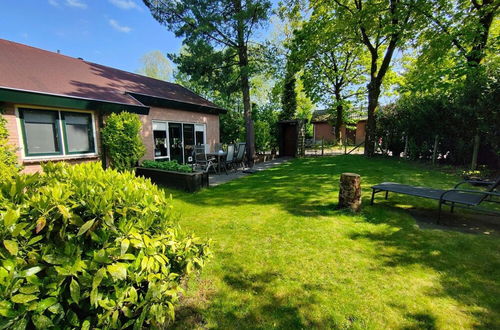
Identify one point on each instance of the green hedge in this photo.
(172, 165)
(121, 139)
(90, 248)
(8, 159)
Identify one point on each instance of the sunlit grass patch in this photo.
(285, 257)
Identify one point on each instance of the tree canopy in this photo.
(221, 32)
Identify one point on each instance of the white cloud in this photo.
(118, 27)
(125, 4)
(76, 4)
(54, 3)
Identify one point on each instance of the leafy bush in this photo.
(172, 165)
(87, 247)
(455, 115)
(8, 160)
(120, 137)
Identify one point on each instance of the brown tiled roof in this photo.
(32, 69)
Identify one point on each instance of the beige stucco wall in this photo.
(178, 116)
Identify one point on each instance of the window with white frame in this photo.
(176, 140)
(54, 132)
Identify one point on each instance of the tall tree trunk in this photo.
(247, 113)
(245, 88)
(340, 116)
(373, 95)
(486, 12)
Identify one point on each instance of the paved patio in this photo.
(217, 179)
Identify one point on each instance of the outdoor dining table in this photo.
(221, 159)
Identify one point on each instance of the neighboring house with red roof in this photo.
(55, 106)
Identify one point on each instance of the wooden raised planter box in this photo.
(189, 182)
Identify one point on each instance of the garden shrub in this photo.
(90, 248)
(455, 115)
(8, 160)
(120, 137)
(172, 165)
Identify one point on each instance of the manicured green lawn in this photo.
(285, 258)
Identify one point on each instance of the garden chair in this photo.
(201, 158)
(230, 159)
(453, 197)
(240, 156)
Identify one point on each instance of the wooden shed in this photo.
(291, 138)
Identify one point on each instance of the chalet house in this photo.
(55, 106)
(324, 128)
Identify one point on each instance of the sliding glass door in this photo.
(199, 133)
(176, 141)
(160, 140)
(188, 134)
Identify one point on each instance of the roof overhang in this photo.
(154, 101)
(64, 101)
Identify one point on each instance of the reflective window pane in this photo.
(78, 132)
(40, 127)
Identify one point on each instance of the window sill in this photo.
(59, 158)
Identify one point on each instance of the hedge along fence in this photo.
(430, 127)
(87, 247)
(457, 121)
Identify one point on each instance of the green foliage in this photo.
(289, 95)
(8, 160)
(232, 127)
(470, 108)
(120, 137)
(392, 127)
(84, 247)
(156, 65)
(172, 165)
(266, 128)
(222, 30)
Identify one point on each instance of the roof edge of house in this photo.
(152, 100)
(27, 97)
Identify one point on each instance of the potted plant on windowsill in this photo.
(173, 175)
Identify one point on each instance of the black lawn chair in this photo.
(230, 159)
(240, 156)
(201, 159)
(453, 197)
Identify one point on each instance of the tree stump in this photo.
(350, 191)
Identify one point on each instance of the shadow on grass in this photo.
(309, 186)
(281, 310)
(422, 322)
(469, 266)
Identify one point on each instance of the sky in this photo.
(115, 33)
